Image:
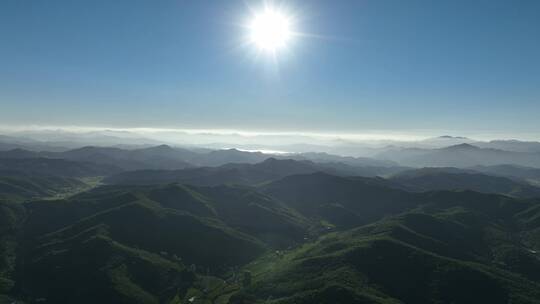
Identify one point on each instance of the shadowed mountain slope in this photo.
(138, 240)
(456, 247)
(428, 179)
(54, 167)
(340, 200)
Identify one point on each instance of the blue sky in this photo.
(448, 66)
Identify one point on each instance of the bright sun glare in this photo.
(270, 30)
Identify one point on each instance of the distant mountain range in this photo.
(461, 156)
(65, 139)
(243, 173)
(516, 172)
(166, 157)
(159, 164)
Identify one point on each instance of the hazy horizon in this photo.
(366, 135)
(343, 144)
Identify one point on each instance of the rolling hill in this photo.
(140, 241)
(305, 238)
(456, 247)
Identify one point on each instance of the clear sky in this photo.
(457, 66)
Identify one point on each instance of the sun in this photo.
(270, 30)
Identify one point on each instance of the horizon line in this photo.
(359, 136)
